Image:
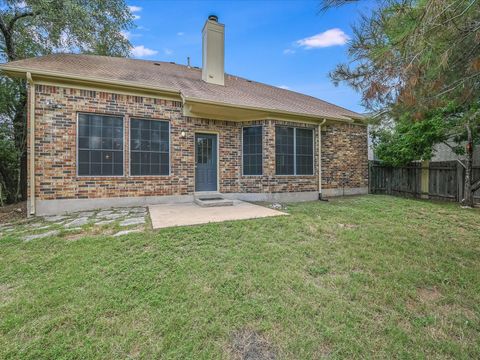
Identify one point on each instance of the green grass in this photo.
(368, 276)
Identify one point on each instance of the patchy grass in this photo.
(368, 276)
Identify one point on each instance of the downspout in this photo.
(31, 115)
(320, 159)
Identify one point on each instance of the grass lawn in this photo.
(370, 276)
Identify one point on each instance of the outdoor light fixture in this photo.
(183, 135)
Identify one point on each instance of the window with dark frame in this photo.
(304, 151)
(100, 145)
(284, 150)
(252, 150)
(149, 147)
(293, 151)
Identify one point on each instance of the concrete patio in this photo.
(184, 214)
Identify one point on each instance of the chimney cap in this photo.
(213, 18)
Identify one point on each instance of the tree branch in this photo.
(19, 16)
(476, 185)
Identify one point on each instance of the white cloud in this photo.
(128, 35)
(332, 37)
(142, 51)
(168, 51)
(289, 51)
(284, 87)
(180, 33)
(134, 8)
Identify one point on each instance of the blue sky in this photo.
(282, 43)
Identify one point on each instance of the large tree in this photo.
(418, 62)
(31, 28)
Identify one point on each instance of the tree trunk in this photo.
(467, 190)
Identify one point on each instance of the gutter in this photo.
(320, 158)
(31, 115)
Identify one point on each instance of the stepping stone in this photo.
(133, 221)
(112, 216)
(125, 232)
(35, 225)
(40, 236)
(104, 213)
(104, 222)
(77, 222)
(55, 218)
(85, 214)
(43, 227)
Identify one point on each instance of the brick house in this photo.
(115, 132)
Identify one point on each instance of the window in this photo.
(149, 147)
(293, 151)
(100, 145)
(252, 150)
(284, 151)
(304, 151)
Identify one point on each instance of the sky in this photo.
(281, 43)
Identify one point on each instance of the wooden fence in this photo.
(441, 180)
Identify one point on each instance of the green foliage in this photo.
(38, 27)
(409, 140)
(9, 171)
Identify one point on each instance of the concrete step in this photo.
(211, 200)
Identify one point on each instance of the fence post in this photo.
(460, 181)
(425, 179)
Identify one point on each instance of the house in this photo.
(107, 131)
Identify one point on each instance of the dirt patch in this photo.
(12, 213)
(250, 345)
(428, 295)
(347, 226)
(6, 293)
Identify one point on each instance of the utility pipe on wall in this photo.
(31, 116)
(320, 157)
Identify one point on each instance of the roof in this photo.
(184, 80)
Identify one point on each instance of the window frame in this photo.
(130, 148)
(295, 150)
(77, 135)
(242, 153)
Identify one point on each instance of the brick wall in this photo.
(56, 110)
(344, 156)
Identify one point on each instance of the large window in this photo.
(304, 151)
(252, 150)
(149, 147)
(100, 145)
(293, 151)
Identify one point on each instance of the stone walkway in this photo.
(115, 222)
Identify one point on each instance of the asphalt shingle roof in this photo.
(186, 80)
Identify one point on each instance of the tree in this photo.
(38, 27)
(418, 62)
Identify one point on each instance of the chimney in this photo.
(213, 51)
